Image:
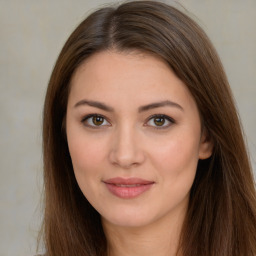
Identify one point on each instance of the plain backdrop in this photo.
(32, 32)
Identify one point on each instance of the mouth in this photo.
(128, 188)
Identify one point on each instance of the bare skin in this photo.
(135, 137)
(161, 238)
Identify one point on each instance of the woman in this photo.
(143, 149)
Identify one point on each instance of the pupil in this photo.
(97, 120)
(159, 121)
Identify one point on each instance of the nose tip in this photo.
(124, 160)
(126, 152)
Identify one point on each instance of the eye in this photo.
(95, 121)
(160, 121)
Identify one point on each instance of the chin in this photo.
(127, 222)
(126, 218)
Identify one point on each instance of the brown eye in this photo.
(159, 121)
(97, 120)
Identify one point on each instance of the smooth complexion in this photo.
(135, 138)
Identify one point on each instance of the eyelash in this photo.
(166, 118)
(86, 118)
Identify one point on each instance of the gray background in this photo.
(31, 36)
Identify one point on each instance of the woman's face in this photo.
(134, 136)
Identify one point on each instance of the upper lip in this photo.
(127, 181)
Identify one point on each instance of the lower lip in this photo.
(128, 192)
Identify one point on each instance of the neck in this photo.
(160, 238)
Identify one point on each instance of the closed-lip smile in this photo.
(128, 188)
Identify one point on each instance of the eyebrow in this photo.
(160, 104)
(95, 104)
(104, 107)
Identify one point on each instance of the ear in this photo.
(206, 145)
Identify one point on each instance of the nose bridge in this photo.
(126, 150)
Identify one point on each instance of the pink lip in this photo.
(128, 188)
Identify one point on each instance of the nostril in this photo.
(126, 159)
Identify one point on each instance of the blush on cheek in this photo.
(178, 156)
(86, 160)
(81, 150)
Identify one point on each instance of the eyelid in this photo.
(86, 117)
(168, 118)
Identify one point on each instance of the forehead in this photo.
(107, 62)
(134, 75)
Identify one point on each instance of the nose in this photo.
(126, 148)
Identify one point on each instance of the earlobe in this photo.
(206, 146)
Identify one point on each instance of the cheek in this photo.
(87, 153)
(177, 155)
(85, 156)
(176, 164)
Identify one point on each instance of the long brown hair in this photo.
(221, 217)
